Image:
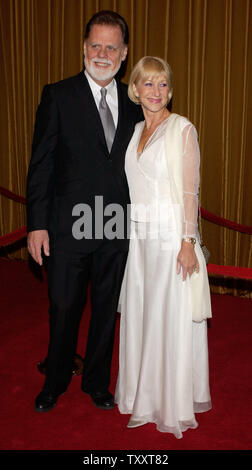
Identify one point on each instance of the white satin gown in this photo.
(163, 359)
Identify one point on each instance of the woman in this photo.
(165, 299)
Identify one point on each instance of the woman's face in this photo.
(153, 93)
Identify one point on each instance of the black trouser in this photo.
(68, 278)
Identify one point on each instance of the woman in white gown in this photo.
(165, 298)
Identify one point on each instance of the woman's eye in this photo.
(148, 84)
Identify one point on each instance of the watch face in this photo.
(190, 240)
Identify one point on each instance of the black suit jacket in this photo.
(70, 162)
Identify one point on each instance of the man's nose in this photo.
(102, 52)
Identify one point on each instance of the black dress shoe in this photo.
(103, 400)
(45, 401)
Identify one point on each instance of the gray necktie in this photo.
(107, 119)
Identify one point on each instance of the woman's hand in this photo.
(187, 260)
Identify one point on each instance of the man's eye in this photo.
(111, 48)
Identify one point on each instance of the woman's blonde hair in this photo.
(147, 68)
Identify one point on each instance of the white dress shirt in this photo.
(111, 97)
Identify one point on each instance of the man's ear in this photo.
(125, 52)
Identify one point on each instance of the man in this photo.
(79, 144)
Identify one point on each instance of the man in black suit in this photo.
(73, 168)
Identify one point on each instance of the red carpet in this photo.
(75, 424)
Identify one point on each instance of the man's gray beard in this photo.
(102, 75)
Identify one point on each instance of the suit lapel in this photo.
(90, 108)
(119, 127)
(93, 116)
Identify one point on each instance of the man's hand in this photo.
(187, 260)
(36, 240)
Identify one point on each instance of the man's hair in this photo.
(108, 17)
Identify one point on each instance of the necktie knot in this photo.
(103, 92)
(103, 102)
